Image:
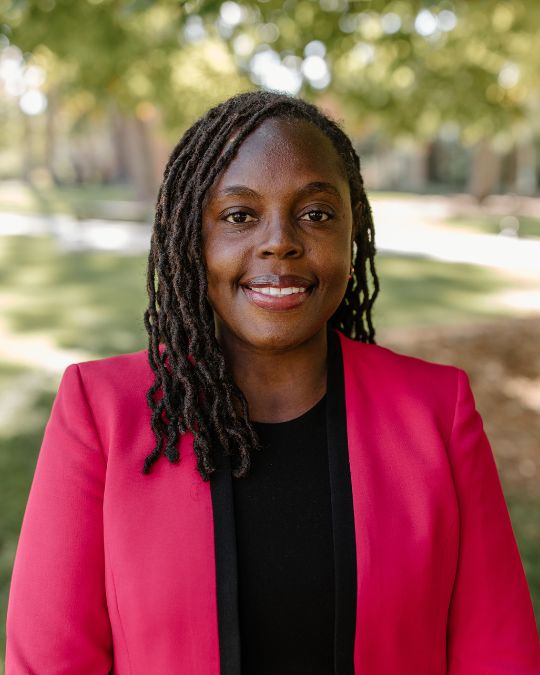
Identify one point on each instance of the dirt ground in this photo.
(502, 359)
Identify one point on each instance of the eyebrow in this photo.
(309, 188)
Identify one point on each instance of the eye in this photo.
(318, 213)
(235, 214)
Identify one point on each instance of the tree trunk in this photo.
(120, 142)
(27, 148)
(141, 153)
(50, 135)
(526, 183)
(485, 171)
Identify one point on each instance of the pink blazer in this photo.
(120, 572)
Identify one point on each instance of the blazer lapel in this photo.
(343, 533)
(342, 510)
(226, 567)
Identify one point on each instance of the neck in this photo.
(279, 384)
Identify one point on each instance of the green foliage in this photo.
(478, 76)
(131, 52)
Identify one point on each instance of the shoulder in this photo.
(388, 360)
(119, 366)
(392, 375)
(121, 377)
(111, 392)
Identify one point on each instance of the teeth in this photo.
(268, 290)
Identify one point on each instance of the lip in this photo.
(278, 281)
(274, 302)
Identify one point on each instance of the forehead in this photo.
(281, 147)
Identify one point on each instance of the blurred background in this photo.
(441, 100)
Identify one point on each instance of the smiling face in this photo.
(282, 207)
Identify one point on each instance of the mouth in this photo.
(276, 298)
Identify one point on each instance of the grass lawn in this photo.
(85, 201)
(88, 301)
(525, 516)
(416, 291)
(94, 302)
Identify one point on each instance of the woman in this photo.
(328, 505)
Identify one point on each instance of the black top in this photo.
(285, 550)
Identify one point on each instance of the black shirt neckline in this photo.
(301, 419)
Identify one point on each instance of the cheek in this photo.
(223, 265)
(334, 263)
(337, 282)
(334, 270)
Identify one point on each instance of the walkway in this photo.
(406, 227)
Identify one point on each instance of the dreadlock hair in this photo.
(183, 351)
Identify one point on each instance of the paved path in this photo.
(408, 227)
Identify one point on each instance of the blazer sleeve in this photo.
(491, 626)
(57, 619)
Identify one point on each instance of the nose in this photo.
(281, 239)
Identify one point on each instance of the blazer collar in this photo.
(343, 532)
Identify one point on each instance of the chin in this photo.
(279, 336)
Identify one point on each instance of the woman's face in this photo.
(282, 207)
